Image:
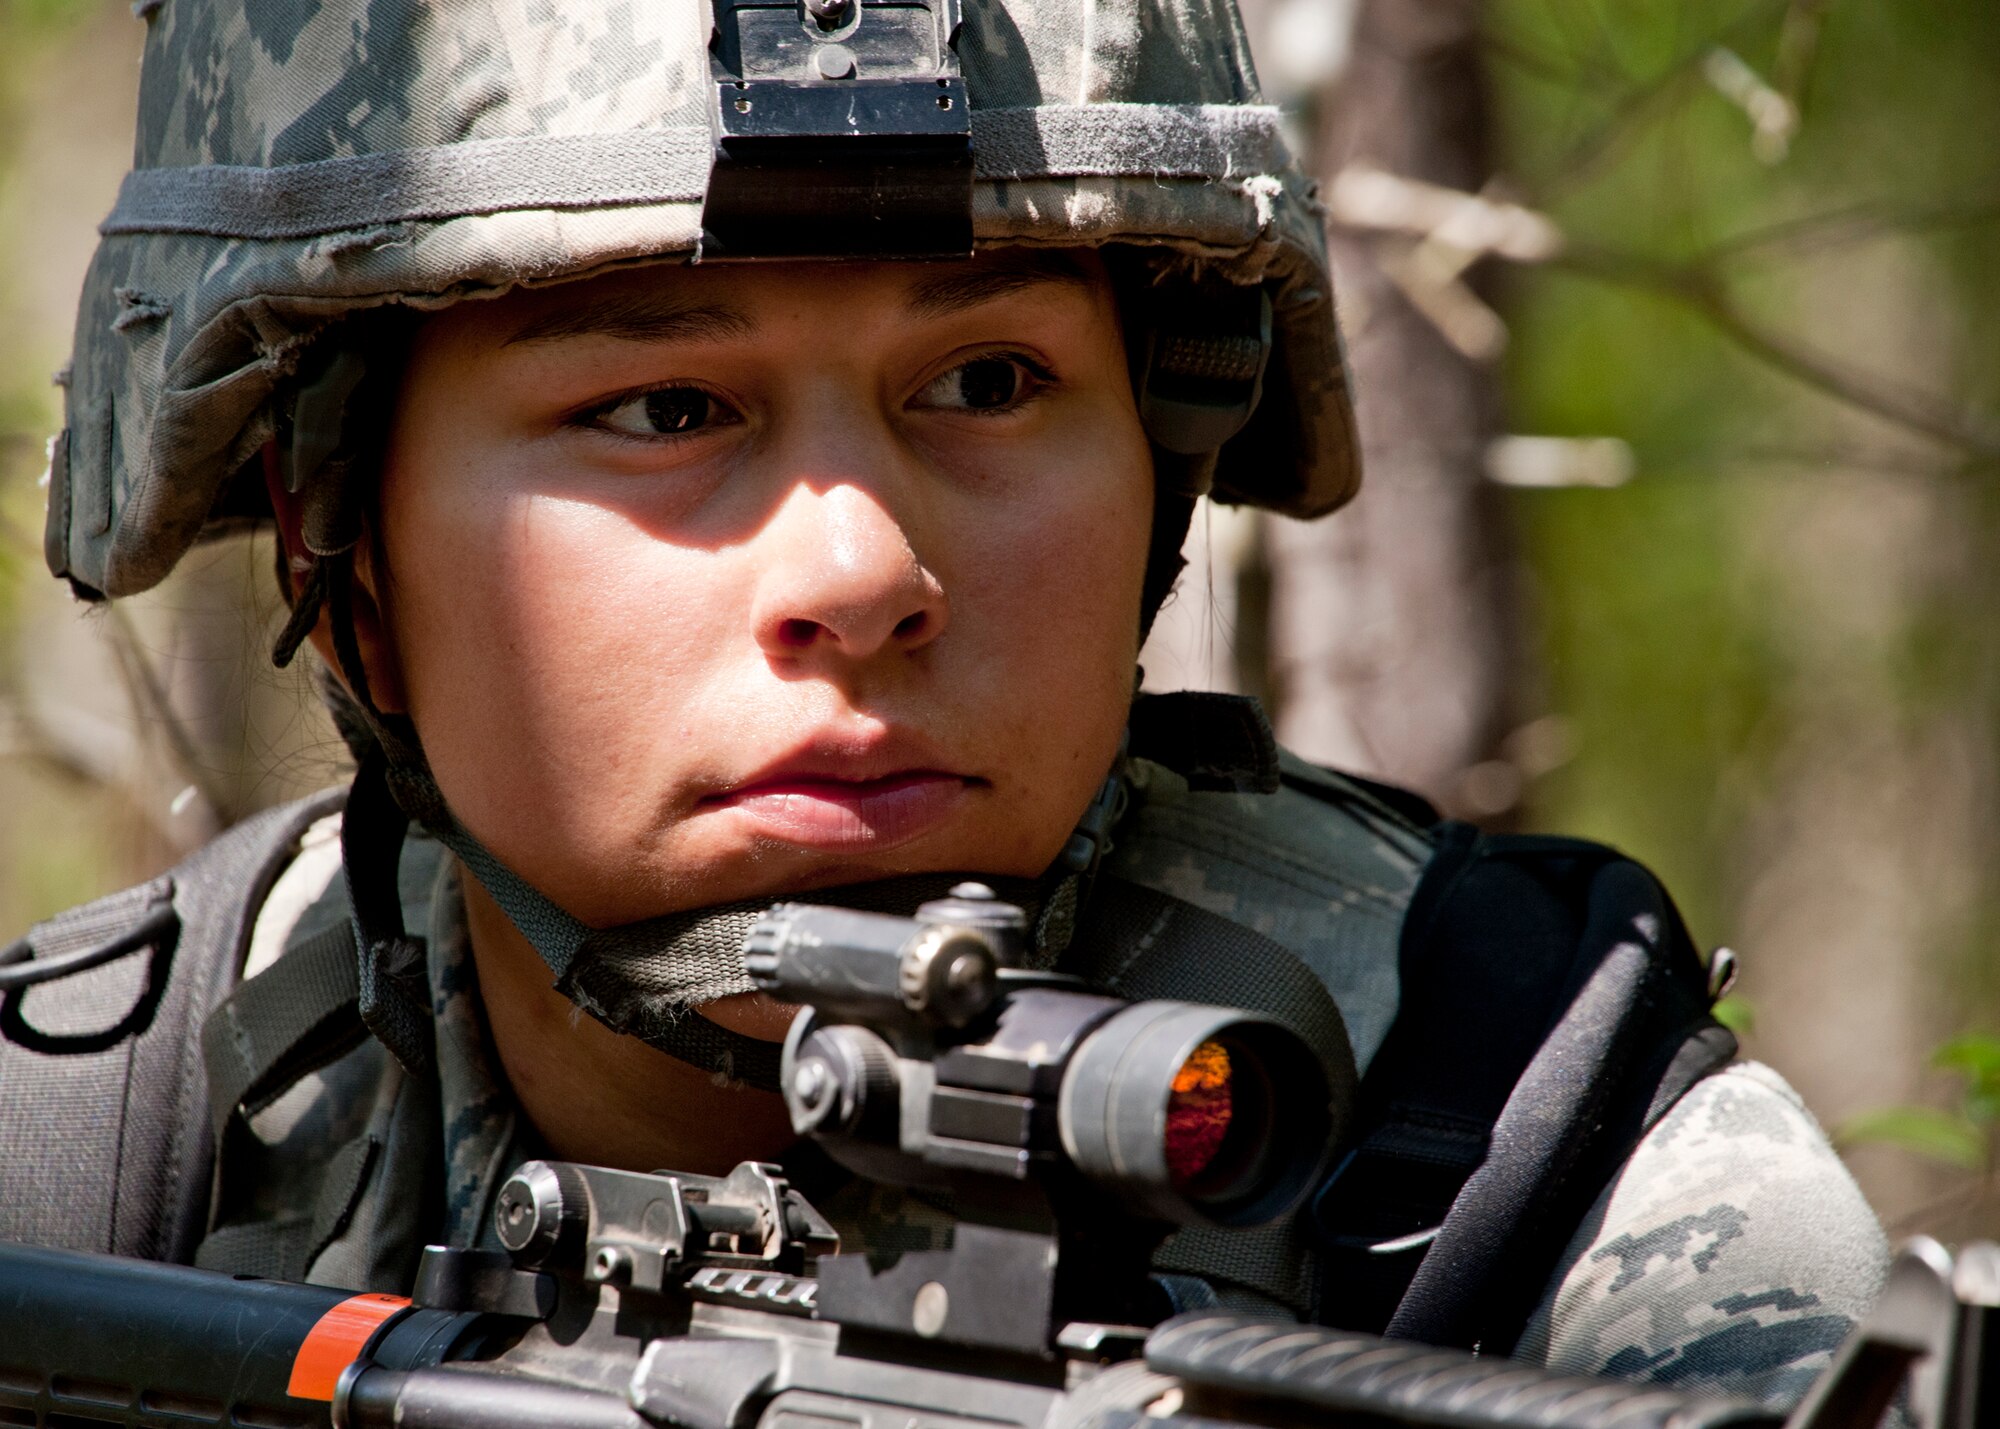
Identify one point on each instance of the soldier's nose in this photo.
(842, 576)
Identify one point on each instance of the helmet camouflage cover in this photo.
(299, 163)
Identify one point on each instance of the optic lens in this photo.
(1196, 1116)
(1198, 1112)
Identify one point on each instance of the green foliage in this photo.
(1940, 1135)
(1976, 1057)
(1679, 668)
(1967, 1136)
(1736, 1014)
(32, 19)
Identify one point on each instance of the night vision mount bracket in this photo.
(841, 131)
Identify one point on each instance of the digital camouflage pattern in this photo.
(190, 322)
(1732, 1250)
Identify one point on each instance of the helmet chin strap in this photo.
(645, 979)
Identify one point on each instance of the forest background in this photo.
(1677, 331)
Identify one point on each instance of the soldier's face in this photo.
(707, 583)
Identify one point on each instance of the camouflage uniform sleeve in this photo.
(1732, 1252)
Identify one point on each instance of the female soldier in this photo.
(654, 592)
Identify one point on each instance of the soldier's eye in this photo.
(664, 412)
(996, 383)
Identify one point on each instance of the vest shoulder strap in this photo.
(1553, 1009)
(103, 1108)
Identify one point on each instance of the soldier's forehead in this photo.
(670, 302)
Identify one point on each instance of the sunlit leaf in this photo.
(1977, 1055)
(1736, 1014)
(1941, 1135)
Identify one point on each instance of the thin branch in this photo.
(1529, 60)
(1916, 410)
(1854, 224)
(1587, 156)
(24, 739)
(1696, 289)
(1363, 197)
(1959, 1199)
(1584, 159)
(1474, 225)
(1438, 292)
(151, 701)
(1843, 458)
(1798, 48)
(1774, 119)
(1571, 72)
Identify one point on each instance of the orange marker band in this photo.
(337, 1342)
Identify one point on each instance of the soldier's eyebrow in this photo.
(636, 317)
(993, 275)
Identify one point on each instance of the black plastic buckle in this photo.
(842, 130)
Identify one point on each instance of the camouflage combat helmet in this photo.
(298, 164)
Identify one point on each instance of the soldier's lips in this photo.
(845, 815)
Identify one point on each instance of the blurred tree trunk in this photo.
(1395, 637)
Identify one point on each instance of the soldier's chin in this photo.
(752, 1014)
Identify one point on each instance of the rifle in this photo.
(1072, 1131)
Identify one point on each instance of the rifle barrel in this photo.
(464, 1397)
(107, 1340)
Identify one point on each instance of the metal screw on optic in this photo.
(829, 13)
(815, 1094)
(542, 1208)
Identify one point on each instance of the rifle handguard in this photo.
(1218, 1357)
